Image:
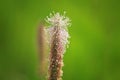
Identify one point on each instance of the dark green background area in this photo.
(94, 50)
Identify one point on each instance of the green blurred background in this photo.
(94, 51)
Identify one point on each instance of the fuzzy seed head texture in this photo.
(61, 21)
(58, 39)
(56, 19)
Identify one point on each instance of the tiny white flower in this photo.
(57, 20)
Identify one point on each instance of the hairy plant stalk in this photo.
(58, 40)
(42, 50)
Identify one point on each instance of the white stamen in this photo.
(55, 20)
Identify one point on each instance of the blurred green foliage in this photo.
(94, 51)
